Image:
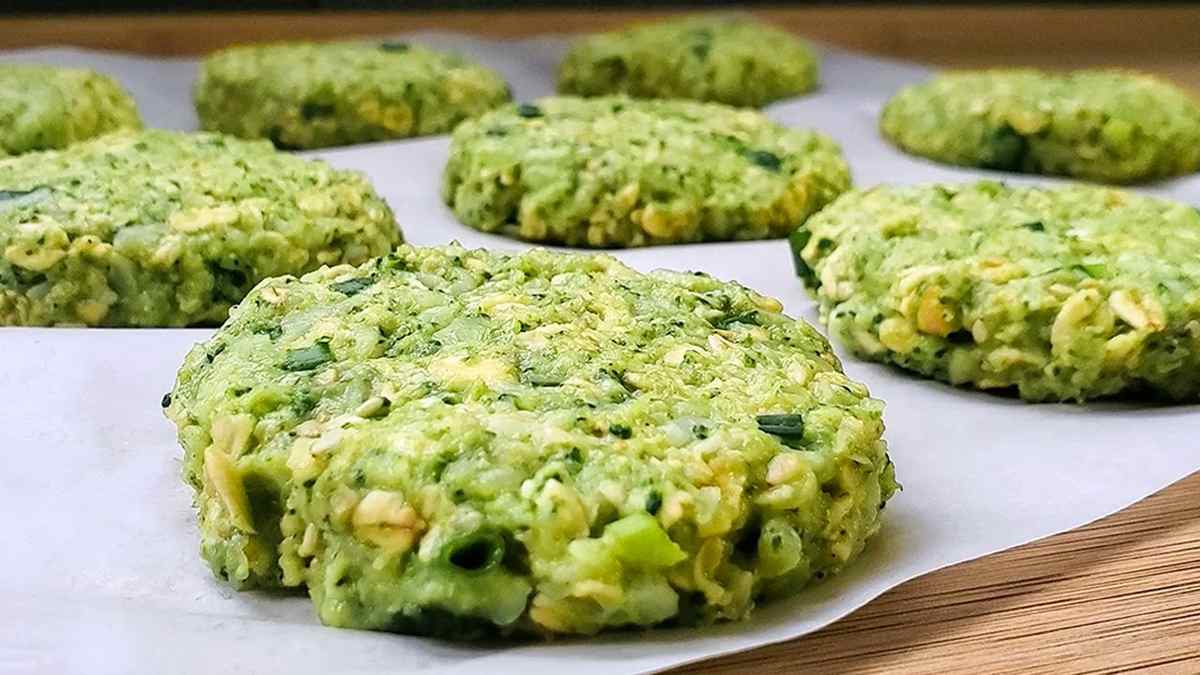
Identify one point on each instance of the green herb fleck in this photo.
(302, 402)
(216, 351)
(398, 47)
(271, 330)
(307, 358)
(748, 317)
(782, 424)
(352, 286)
(528, 110)
(1035, 225)
(620, 430)
(767, 160)
(653, 502)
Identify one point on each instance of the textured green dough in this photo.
(158, 228)
(1104, 126)
(615, 171)
(1066, 294)
(46, 108)
(735, 61)
(463, 443)
(307, 95)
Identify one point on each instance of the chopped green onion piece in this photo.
(352, 286)
(307, 358)
(785, 425)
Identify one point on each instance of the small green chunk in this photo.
(1036, 226)
(640, 540)
(797, 241)
(398, 47)
(1008, 148)
(653, 502)
(1093, 270)
(749, 317)
(785, 425)
(620, 430)
(352, 286)
(529, 110)
(307, 358)
(767, 160)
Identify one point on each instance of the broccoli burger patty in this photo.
(466, 443)
(1063, 294)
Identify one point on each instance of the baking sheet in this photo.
(99, 570)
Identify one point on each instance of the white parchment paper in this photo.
(99, 570)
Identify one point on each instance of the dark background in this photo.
(76, 6)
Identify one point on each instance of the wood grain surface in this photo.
(1161, 39)
(1121, 595)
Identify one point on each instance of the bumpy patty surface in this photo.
(1064, 294)
(615, 171)
(158, 228)
(307, 95)
(735, 61)
(45, 108)
(465, 443)
(1105, 126)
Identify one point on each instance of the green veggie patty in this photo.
(1105, 126)
(158, 228)
(465, 443)
(616, 171)
(727, 60)
(308, 95)
(1063, 294)
(45, 108)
